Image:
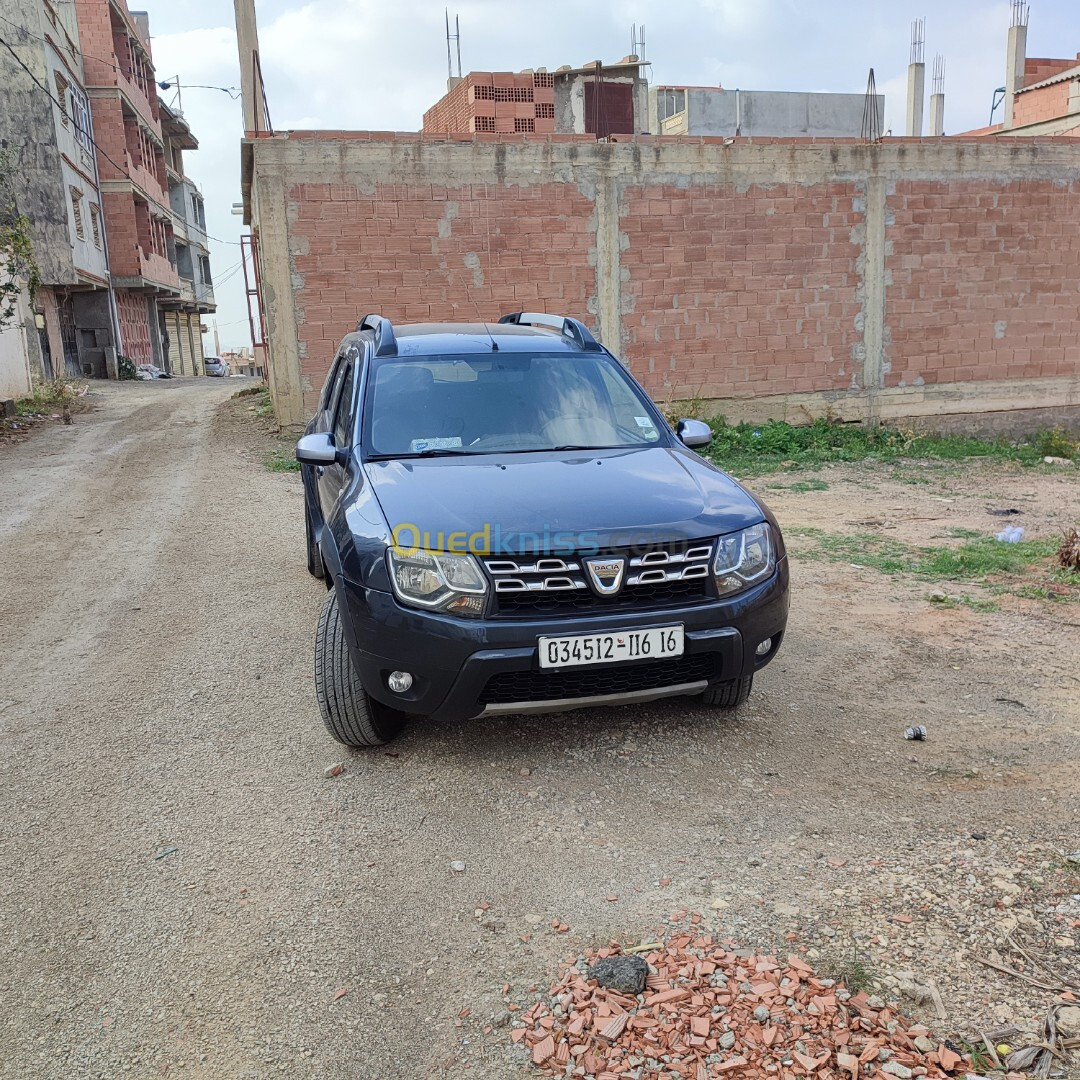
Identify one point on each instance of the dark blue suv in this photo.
(506, 523)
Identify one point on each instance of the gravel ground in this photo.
(184, 893)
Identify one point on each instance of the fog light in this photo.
(761, 650)
(399, 681)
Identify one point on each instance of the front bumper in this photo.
(456, 663)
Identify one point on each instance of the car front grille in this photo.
(513, 686)
(527, 587)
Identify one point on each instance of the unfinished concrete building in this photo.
(1041, 95)
(712, 110)
(929, 281)
(45, 125)
(596, 99)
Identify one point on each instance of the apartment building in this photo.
(45, 124)
(183, 315)
(138, 218)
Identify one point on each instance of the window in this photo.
(504, 403)
(204, 264)
(95, 224)
(343, 419)
(62, 97)
(80, 113)
(76, 206)
(331, 382)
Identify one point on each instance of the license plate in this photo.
(655, 644)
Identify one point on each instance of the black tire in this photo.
(349, 714)
(729, 695)
(314, 556)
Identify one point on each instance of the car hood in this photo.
(527, 500)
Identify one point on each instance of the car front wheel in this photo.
(728, 695)
(350, 715)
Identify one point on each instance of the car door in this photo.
(331, 478)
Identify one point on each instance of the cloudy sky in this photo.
(377, 64)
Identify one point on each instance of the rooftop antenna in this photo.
(637, 41)
(455, 37)
(871, 120)
(1020, 12)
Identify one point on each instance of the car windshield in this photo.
(503, 403)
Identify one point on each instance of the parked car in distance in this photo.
(507, 523)
(213, 365)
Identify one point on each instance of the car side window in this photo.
(344, 415)
(330, 386)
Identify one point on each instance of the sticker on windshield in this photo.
(418, 446)
(644, 422)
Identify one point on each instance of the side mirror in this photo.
(694, 433)
(316, 449)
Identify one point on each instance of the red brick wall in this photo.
(725, 276)
(419, 253)
(1046, 103)
(123, 232)
(1037, 68)
(741, 292)
(495, 101)
(983, 281)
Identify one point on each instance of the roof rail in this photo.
(385, 342)
(570, 328)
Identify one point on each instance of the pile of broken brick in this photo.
(692, 1008)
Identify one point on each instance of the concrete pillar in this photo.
(1014, 70)
(872, 288)
(916, 89)
(608, 268)
(937, 114)
(251, 87)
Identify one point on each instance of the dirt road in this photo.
(183, 893)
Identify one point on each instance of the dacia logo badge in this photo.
(606, 574)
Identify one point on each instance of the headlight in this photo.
(744, 558)
(439, 581)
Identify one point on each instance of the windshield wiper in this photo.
(577, 446)
(433, 452)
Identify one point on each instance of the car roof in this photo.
(433, 339)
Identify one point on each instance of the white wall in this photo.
(14, 357)
(77, 166)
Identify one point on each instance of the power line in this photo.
(49, 94)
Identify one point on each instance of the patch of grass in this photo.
(973, 603)
(853, 970)
(49, 397)
(800, 486)
(748, 449)
(909, 478)
(975, 560)
(964, 534)
(981, 1062)
(1056, 442)
(281, 460)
